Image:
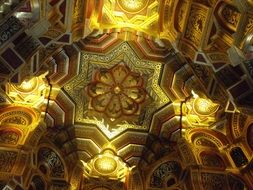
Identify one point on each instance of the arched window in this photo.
(238, 157)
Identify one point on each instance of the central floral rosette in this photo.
(117, 91)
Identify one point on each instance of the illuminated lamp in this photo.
(133, 6)
(106, 164)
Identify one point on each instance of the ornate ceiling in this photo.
(126, 94)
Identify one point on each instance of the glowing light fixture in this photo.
(140, 15)
(203, 106)
(28, 85)
(132, 6)
(200, 111)
(31, 92)
(107, 164)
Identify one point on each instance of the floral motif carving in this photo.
(196, 25)
(9, 137)
(231, 15)
(15, 120)
(7, 160)
(117, 91)
(9, 28)
(163, 171)
(211, 160)
(122, 54)
(213, 181)
(249, 25)
(204, 142)
(29, 92)
(18, 115)
(181, 15)
(228, 17)
(53, 161)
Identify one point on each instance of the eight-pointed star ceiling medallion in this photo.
(116, 91)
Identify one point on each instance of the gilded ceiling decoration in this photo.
(18, 116)
(139, 15)
(180, 15)
(167, 174)
(52, 162)
(196, 26)
(31, 92)
(122, 90)
(126, 94)
(9, 136)
(107, 163)
(16, 122)
(117, 92)
(201, 111)
(229, 16)
(131, 6)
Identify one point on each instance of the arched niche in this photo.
(51, 164)
(204, 142)
(10, 136)
(228, 17)
(166, 175)
(212, 160)
(180, 15)
(18, 116)
(207, 138)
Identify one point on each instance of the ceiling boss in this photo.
(117, 91)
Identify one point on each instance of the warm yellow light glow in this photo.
(31, 92)
(117, 90)
(27, 85)
(204, 106)
(194, 94)
(200, 111)
(132, 5)
(105, 165)
(140, 15)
